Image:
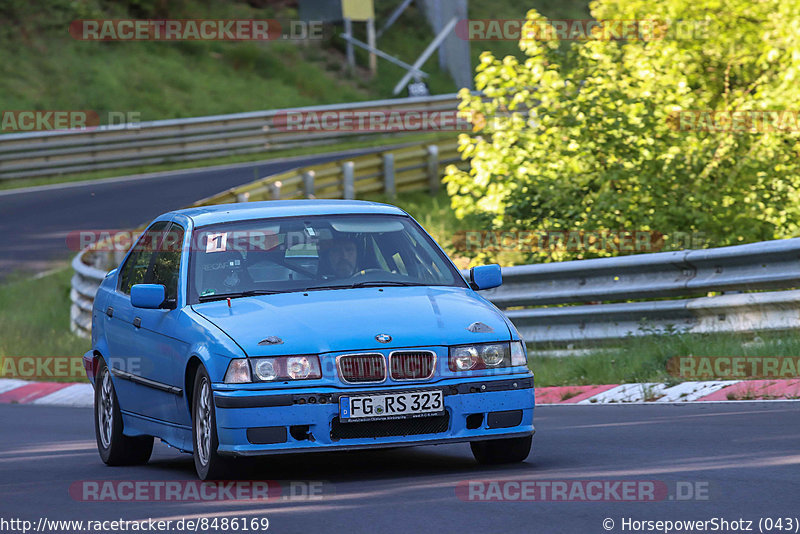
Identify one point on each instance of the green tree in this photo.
(585, 137)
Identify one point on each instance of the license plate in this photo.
(391, 406)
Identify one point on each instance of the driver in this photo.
(340, 256)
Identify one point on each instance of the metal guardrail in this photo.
(85, 282)
(147, 143)
(755, 266)
(409, 168)
(581, 325)
(748, 271)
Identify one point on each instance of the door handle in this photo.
(137, 322)
(110, 311)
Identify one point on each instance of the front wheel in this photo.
(115, 448)
(207, 462)
(502, 451)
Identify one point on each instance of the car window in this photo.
(167, 263)
(295, 253)
(134, 270)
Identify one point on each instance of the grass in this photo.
(163, 80)
(644, 359)
(34, 319)
(159, 80)
(167, 80)
(565, 396)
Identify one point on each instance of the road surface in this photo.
(742, 458)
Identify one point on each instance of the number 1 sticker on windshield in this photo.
(217, 242)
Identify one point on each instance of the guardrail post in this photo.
(388, 175)
(348, 185)
(308, 183)
(275, 190)
(433, 169)
(351, 56)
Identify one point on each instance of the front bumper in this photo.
(305, 419)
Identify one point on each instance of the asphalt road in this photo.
(35, 222)
(744, 455)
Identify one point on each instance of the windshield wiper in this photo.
(392, 283)
(373, 283)
(249, 293)
(322, 288)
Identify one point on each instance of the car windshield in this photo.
(315, 253)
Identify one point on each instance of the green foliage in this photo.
(592, 147)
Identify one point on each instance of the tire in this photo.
(207, 462)
(501, 451)
(115, 448)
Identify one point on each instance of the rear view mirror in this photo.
(148, 296)
(485, 276)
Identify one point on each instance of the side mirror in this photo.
(148, 296)
(485, 276)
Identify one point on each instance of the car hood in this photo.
(349, 319)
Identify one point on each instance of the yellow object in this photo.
(358, 9)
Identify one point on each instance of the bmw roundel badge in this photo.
(383, 338)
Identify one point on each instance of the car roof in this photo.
(243, 211)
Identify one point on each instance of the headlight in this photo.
(298, 367)
(286, 368)
(492, 355)
(486, 356)
(265, 369)
(463, 358)
(273, 369)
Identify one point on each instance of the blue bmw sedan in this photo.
(299, 326)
